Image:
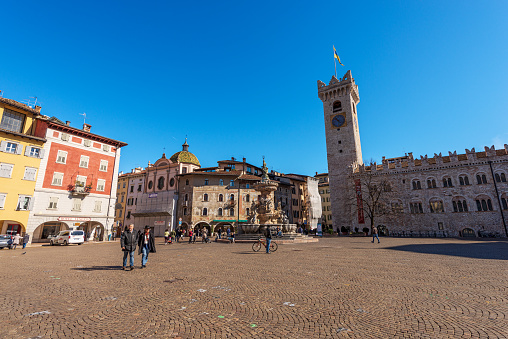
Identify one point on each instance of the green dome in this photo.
(184, 156)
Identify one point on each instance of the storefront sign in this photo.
(359, 201)
(158, 223)
(152, 195)
(73, 219)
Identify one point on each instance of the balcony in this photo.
(79, 189)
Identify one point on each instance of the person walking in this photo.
(26, 239)
(219, 232)
(146, 244)
(268, 236)
(128, 242)
(15, 241)
(204, 235)
(166, 237)
(190, 236)
(375, 235)
(173, 234)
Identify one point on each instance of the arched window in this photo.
(447, 182)
(205, 197)
(221, 197)
(219, 213)
(247, 211)
(500, 177)
(187, 182)
(185, 211)
(221, 182)
(463, 180)
(160, 183)
(431, 183)
(172, 182)
(397, 206)
(150, 185)
(417, 184)
(416, 207)
(205, 211)
(232, 197)
(483, 204)
(481, 179)
(186, 197)
(504, 202)
(337, 106)
(247, 198)
(436, 205)
(459, 204)
(232, 212)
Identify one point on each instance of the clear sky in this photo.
(239, 78)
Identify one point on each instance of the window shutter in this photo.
(19, 149)
(31, 204)
(3, 145)
(27, 151)
(41, 154)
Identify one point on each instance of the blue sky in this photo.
(239, 78)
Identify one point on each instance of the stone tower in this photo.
(343, 146)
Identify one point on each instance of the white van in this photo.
(68, 237)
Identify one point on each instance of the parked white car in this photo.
(68, 237)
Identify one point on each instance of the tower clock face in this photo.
(338, 121)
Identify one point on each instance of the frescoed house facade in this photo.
(76, 184)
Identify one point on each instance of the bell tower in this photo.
(343, 146)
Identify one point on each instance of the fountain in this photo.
(265, 214)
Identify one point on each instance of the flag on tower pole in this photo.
(336, 56)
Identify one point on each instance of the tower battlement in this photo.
(338, 87)
(438, 161)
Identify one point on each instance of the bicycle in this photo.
(257, 245)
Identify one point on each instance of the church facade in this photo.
(463, 194)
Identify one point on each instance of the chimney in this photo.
(87, 127)
(68, 123)
(233, 158)
(37, 109)
(316, 173)
(244, 159)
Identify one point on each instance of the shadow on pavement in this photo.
(251, 252)
(98, 268)
(486, 250)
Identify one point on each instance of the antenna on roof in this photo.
(30, 102)
(84, 117)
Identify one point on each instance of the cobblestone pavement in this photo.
(336, 288)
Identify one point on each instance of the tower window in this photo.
(337, 106)
(340, 151)
(340, 142)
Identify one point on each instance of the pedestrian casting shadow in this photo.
(98, 268)
(487, 250)
(246, 252)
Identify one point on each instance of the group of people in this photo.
(145, 242)
(16, 240)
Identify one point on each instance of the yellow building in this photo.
(21, 142)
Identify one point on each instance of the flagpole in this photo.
(334, 61)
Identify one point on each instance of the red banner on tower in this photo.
(359, 201)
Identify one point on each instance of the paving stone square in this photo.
(335, 288)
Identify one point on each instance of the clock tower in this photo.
(343, 146)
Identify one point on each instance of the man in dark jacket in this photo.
(268, 236)
(128, 243)
(146, 243)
